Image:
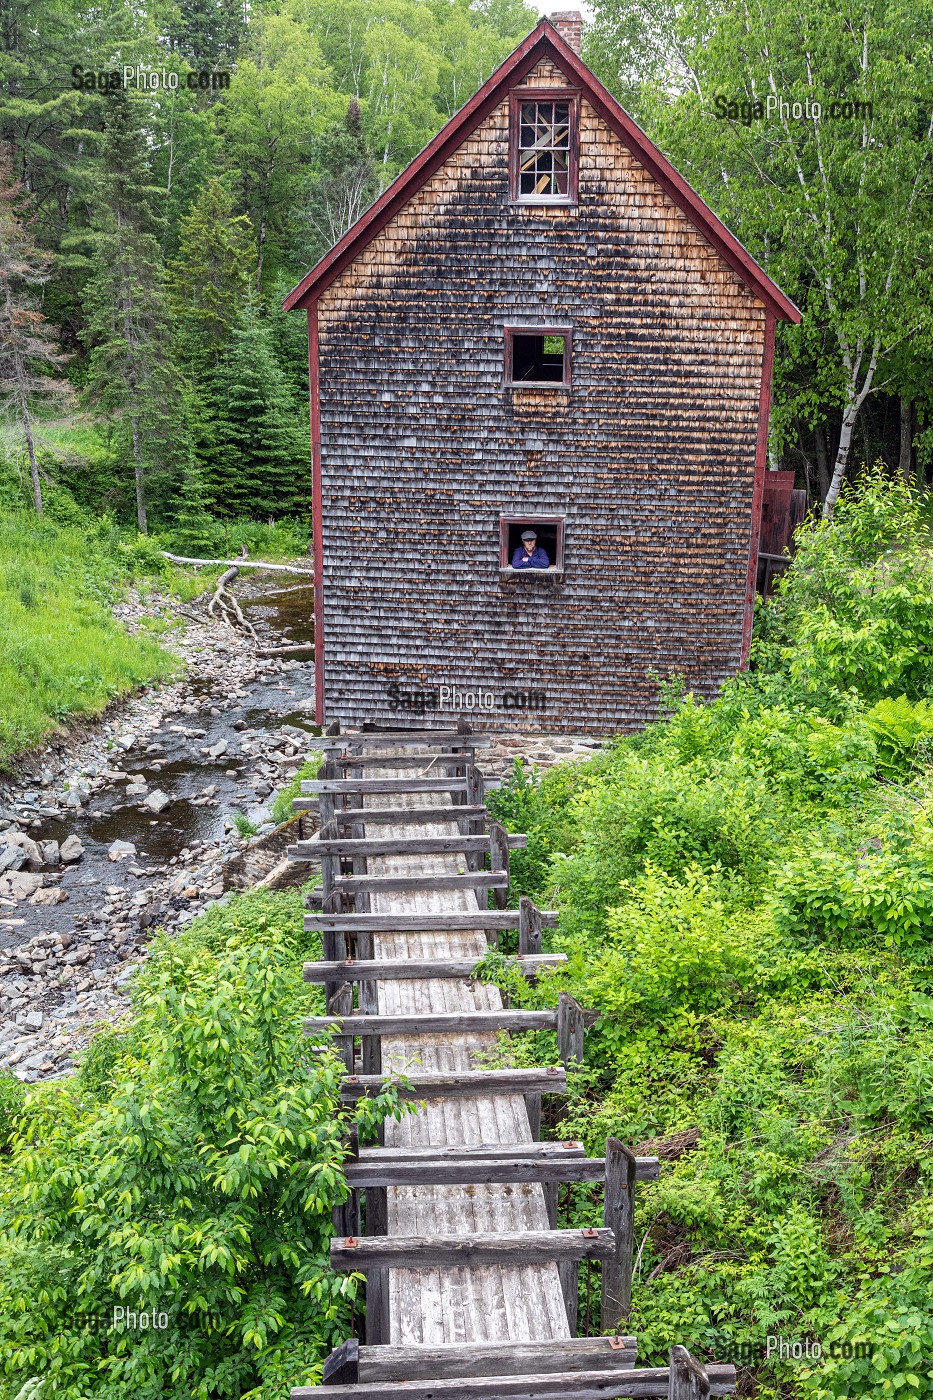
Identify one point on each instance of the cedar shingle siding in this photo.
(649, 453)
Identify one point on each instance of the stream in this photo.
(132, 827)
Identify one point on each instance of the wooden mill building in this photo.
(539, 327)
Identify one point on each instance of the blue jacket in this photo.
(538, 560)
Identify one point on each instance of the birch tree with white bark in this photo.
(809, 129)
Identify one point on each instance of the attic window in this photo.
(537, 355)
(544, 147)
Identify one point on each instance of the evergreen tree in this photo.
(259, 462)
(131, 377)
(208, 282)
(28, 352)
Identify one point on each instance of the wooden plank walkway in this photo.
(477, 1328)
(494, 1304)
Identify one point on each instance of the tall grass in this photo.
(61, 652)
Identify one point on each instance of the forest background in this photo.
(148, 234)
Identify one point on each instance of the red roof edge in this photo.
(543, 42)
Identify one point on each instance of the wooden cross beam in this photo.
(393, 737)
(336, 786)
(363, 1253)
(620, 1383)
(482, 919)
(398, 816)
(465, 1083)
(494, 1169)
(439, 761)
(444, 1023)
(457, 1152)
(343, 848)
(354, 1363)
(420, 969)
(378, 884)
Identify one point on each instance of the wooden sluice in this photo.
(471, 1287)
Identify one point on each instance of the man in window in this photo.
(529, 554)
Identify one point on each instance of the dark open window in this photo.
(549, 532)
(544, 146)
(537, 355)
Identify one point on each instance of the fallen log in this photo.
(295, 650)
(237, 564)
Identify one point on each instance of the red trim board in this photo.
(761, 462)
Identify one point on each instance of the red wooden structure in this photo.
(539, 323)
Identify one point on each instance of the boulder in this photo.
(50, 852)
(52, 894)
(157, 801)
(71, 849)
(11, 858)
(20, 885)
(120, 850)
(32, 854)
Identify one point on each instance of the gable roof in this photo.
(544, 42)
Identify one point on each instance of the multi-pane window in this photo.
(544, 149)
(544, 140)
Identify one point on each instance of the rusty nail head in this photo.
(353, 1079)
(552, 1069)
(617, 1343)
(569, 1142)
(351, 1241)
(590, 1233)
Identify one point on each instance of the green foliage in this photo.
(61, 652)
(191, 1169)
(282, 806)
(257, 461)
(855, 614)
(747, 898)
(12, 1097)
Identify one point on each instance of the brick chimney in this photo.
(569, 25)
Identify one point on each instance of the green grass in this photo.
(61, 652)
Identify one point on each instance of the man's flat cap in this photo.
(529, 535)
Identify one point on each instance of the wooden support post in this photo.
(499, 860)
(688, 1379)
(377, 1307)
(342, 1367)
(475, 796)
(533, 1109)
(619, 1217)
(568, 1271)
(529, 926)
(327, 805)
(551, 1189)
(569, 1029)
(346, 1216)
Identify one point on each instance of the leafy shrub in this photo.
(191, 1170)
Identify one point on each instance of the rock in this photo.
(32, 854)
(21, 885)
(157, 801)
(71, 849)
(11, 858)
(51, 854)
(136, 789)
(120, 850)
(217, 749)
(34, 1019)
(52, 895)
(125, 741)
